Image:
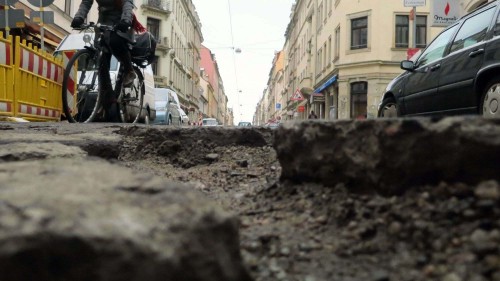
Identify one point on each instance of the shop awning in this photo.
(326, 84)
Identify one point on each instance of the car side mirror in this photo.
(408, 65)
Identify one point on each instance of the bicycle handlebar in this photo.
(101, 27)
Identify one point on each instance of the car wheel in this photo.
(490, 101)
(388, 109)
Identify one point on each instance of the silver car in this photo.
(167, 111)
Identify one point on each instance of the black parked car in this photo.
(458, 73)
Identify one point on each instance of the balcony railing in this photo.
(163, 5)
(160, 81)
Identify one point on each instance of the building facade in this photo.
(341, 54)
(177, 27)
(213, 89)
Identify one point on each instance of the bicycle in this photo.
(82, 96)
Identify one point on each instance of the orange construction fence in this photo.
(30, 81)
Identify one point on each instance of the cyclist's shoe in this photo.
(128, 78)
(111, 112)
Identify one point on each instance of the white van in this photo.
(75, 42)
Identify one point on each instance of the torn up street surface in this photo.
(402, 199)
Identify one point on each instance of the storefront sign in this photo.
(414, 3)
(327, 83)
(317, 97)
(301, 108)
(444, 12)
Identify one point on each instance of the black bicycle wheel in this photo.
(131, 99)
(80, 92)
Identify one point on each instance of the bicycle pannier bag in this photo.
(144, 49)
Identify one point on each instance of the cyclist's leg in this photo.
(119, 48)
(106, 89)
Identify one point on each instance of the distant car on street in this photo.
(272, 125)
(184, 117)
(161, 94)
(167, 109)
(209, 122)
(244, 124)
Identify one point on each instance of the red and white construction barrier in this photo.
(5, 107)
(70, 91)
(33, 110)
(5, 53)
(38, 65)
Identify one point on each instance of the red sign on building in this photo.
(411, 52)
(301, 108)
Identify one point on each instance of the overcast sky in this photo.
(258, 28)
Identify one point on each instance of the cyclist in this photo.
(118, 13)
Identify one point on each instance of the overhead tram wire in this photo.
(246, 45)
(234, 58)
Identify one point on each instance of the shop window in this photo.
(359, 92)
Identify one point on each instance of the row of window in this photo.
(359, 38)
(359, 32)
(181, 50)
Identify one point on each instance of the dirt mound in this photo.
(312, 232)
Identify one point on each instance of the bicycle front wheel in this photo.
(80, 89)
(131, 99)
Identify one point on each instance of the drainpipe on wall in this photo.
(313, 79)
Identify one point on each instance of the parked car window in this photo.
(436, 49)
(497, 26)
(473, 30)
